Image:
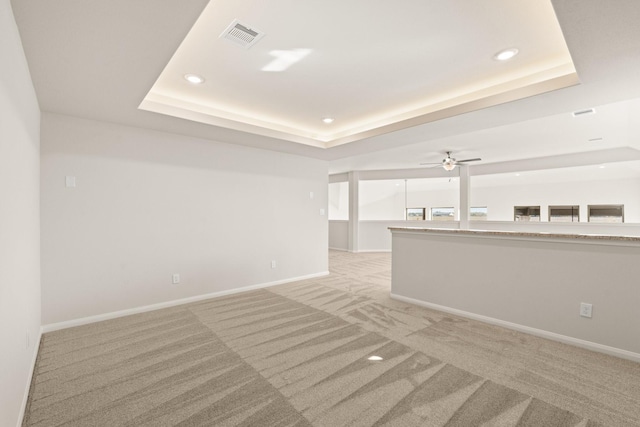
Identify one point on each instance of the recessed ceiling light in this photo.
(194, 78)
(328, 120)
(375, 358)
(517, 174)
(506, 54)
(602, 166)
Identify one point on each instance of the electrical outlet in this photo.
(273, 264)
(175, 279)
(585, 309)
(321, 212)
(311, 194)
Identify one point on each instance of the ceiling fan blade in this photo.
(434, 163)
(468, 160)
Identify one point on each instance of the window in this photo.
(478, 213)
(415, 214)
(442, 214)
(564, 213)
(606, 213)
(526, 213)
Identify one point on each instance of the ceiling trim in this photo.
(564, 76)
(535, 84)
(599, 157)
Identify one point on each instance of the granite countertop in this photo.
(496, 233)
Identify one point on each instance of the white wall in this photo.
(500, 200)
(339, 235)
(148, 204)
(385, 199)
(528, 282)
(381, 200)
(375, 236)
(339, 201)
(19, 221)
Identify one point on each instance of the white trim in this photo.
(25, 398)
(612, 351)
(533, 236)
(339, 249)
(374, 250)
(121, 313)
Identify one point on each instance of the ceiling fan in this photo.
(449, 163)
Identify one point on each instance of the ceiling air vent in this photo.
(242, 34)
(584, 112)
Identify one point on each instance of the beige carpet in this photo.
(297, 355)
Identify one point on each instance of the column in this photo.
(465, 182)
(353, 211)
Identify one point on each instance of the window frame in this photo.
(621, 206)
(485, 217)
(424, 217)
(527, 207)
(448, 217)
(572, 207)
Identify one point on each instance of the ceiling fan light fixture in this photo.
(449, 163)
(328, 120)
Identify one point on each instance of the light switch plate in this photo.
(69, 181)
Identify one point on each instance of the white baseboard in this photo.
(362, 251)
(115, 314)
(25, 398)
(612, 351)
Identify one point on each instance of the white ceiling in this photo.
(617, 124)
(99, 60)
(369, 64)
(603, 172)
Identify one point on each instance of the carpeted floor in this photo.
(298, 355)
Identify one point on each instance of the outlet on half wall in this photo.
(175, 279)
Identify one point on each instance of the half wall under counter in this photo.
(531, 282)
